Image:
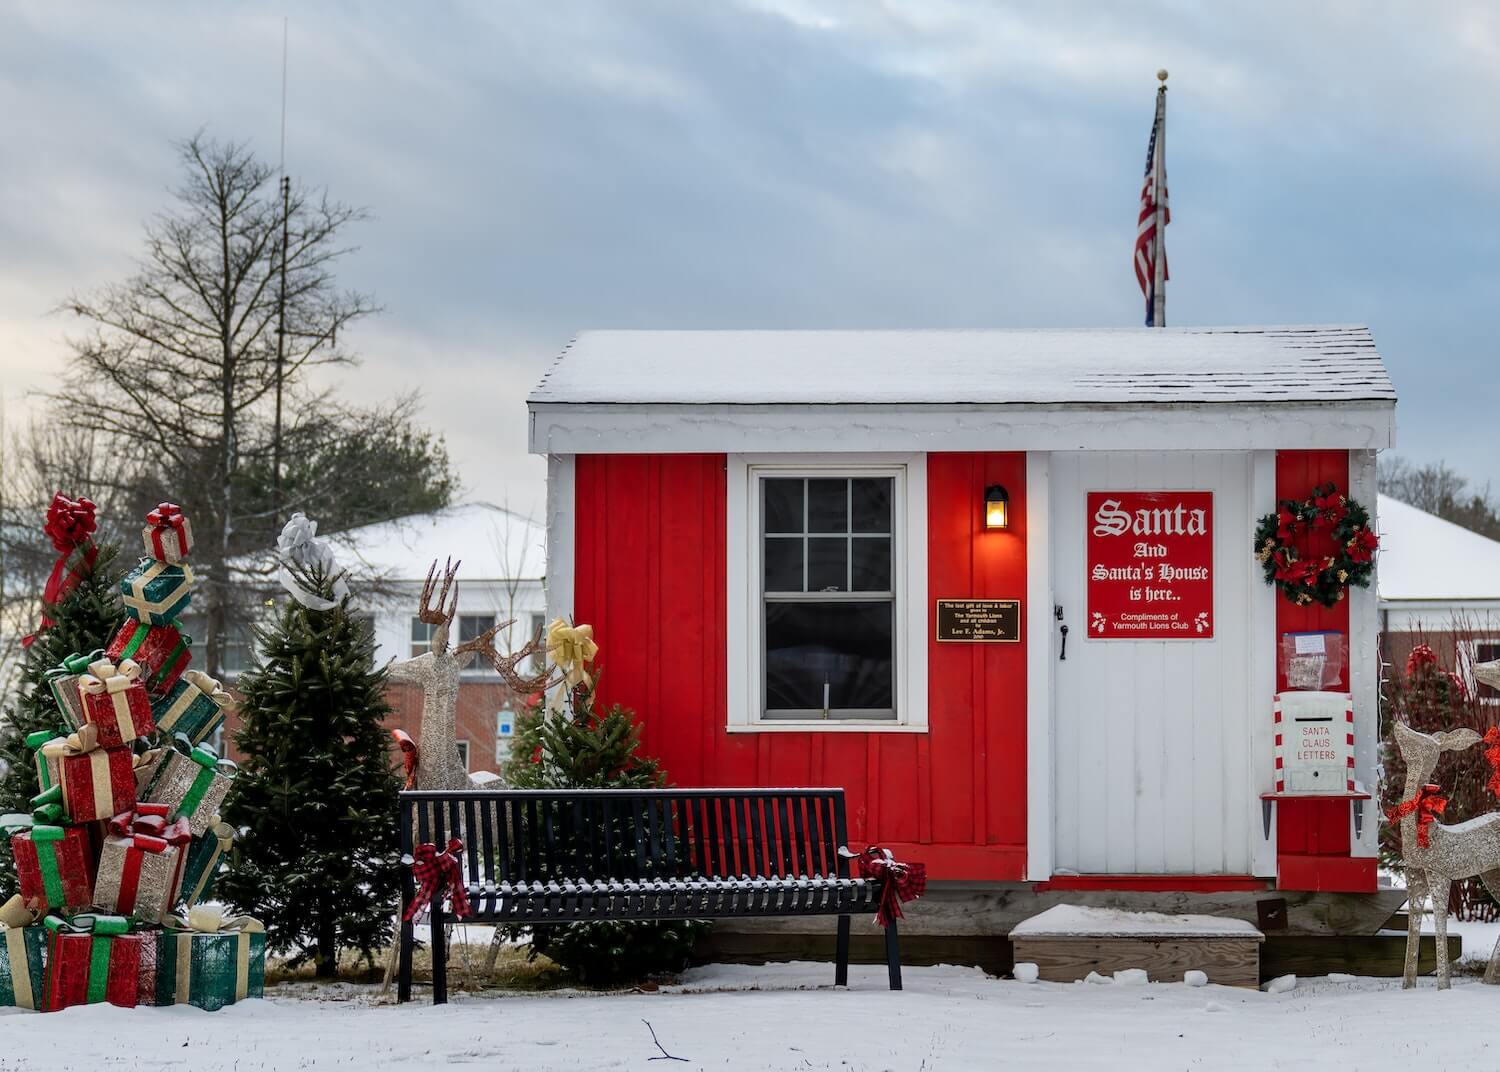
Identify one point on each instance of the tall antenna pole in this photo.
(286, 200)
(1159, 261)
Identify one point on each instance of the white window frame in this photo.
(745, 670)
(1468, 658)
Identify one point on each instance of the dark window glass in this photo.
(421, 637)
(783, 507)
(784, 564)
(872, 564)
(843, 646)
(828, 506)
(472, 627)
(827, 565)
(871, 497)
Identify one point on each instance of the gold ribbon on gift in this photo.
(570, 647)
(210, 919)
(85, 742)
(105, 678)
(15, 914)
(211, 688)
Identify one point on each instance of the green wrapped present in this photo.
(63, 681)
(210, 960)
(157, 592)
(204, 860)
(194, 707)
(23, 955)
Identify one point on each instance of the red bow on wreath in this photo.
(898, 882)
(1428, 804)
(435, 872)
(70, 524)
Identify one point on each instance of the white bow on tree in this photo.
(298, 547)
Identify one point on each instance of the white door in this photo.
(1152, 735)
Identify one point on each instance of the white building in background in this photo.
(1439, 585)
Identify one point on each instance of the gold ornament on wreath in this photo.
(1323, 579)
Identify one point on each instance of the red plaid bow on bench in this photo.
(898, 882)
(436, 872)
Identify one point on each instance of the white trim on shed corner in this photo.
(742, 595)
(654, 428)
(561, 505)
(1040, 633)
(1364, 663)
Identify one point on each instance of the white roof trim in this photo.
(673, 429)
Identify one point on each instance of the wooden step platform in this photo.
(1068, 942)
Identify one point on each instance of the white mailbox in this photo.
(1314, 743)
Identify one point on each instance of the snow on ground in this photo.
(787, 1016)
(1085, 920)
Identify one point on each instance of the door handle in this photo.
(1063, 650)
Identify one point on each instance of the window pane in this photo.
(472, 626)
(828, 506)
(827, 565)
(872, 504)
(421, 632)
(784, 564)
(783, 509)
(846, 646)
(1486, 652)
(872, 564)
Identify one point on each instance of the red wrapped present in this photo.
(54, 867)
(92, 959)
(92, 782)
(140, 868)
(161, 651)
(168, 536)
(115, 700)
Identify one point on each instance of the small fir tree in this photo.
(81, 621)
(318, 857)
(577, 747)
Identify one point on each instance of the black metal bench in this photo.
(538, 857)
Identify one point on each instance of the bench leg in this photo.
(841, 954)
(403, 977)
(439, 956)
(893, 956)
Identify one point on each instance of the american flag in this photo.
(1146, 244)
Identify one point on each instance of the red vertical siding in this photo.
(650, 577)
(1308, 829)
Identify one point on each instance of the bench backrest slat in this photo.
(562, 836)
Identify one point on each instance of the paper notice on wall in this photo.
(1310, 643)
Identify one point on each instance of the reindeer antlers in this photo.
(439, 614)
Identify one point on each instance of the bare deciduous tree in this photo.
(1440, 490)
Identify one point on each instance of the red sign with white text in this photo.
(1151, 565)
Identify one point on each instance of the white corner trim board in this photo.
(743, 599)
(608, 428)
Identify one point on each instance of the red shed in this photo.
(792, 549)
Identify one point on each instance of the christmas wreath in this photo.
(1325, 579)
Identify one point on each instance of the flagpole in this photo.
(1159, 169)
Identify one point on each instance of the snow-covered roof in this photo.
(1106, 366)
(493, 543)
(1424, 558)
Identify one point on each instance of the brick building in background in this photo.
(502, 556)
(1439, 585)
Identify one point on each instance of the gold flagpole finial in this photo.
(1161, 75)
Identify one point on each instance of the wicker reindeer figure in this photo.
(437, 671)
(1435, 856)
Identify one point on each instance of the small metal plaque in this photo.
(979, 621)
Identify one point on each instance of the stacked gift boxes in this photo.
(124, 840)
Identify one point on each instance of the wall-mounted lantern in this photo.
(996, 507)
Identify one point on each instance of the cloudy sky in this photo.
(537, 168)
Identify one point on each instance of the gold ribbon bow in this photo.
(104, 676)
(17, 913)
(81, 742)
(15, 916)
(210, 919)
(570, 647)
(212, 688)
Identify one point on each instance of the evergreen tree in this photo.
(82, 621)
(580, 748)
(318, 857)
